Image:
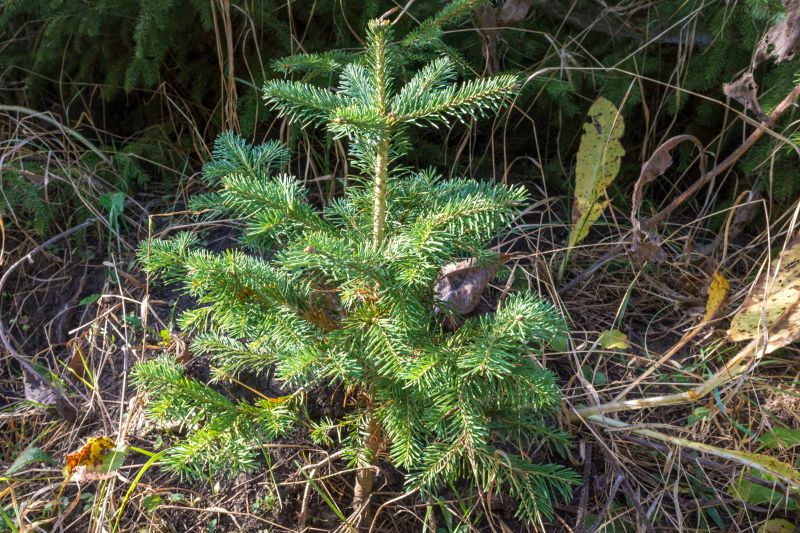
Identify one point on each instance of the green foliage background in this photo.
(144, 76)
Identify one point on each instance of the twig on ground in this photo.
(301, 521)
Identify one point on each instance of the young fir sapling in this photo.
(344, 295)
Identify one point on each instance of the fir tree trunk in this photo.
(379, 202)
(366, 473)
(369, 453)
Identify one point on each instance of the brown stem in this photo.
(735, 367)
(379, 201)
(721, 167)
(365, 476)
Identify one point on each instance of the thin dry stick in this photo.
(301, 522)
(692, 333)
(781, 471)
(63, 405)
(735, 366)
(388, 503)
(619, 249)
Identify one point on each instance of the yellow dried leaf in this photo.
(97, 459)
(717, 294)
(777, 525)
(614, 339)
(773, 303)
(598, 163)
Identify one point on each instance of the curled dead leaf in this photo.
(646, 246)
(782, 41)
(37, 390)
(514, 11)
(97, 459)
(459, 289)
(489, 18)
(745, 91)
(745, 213)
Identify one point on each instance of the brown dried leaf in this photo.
(37, 390)
(514, 11)
(489, 18)
(745, 91)
(744, 214)
(782, 41)
(487, 24)
(647, 246)
(459, 289)
(657, 165)
(773, 304)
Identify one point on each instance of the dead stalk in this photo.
(738, 364)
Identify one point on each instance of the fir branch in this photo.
(429, 32)
(435, 76)
(357, 83)
(472, 99)
(167, 256)
(234, 155)
(320, 63)
(234, 427)
(302, 102)
(274, 206)
(402, 422)
(234, 357)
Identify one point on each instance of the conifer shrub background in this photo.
(133, 67)
(343, 297)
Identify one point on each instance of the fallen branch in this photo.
(784, 472)
(736, 366)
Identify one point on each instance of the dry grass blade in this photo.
(49, 395)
